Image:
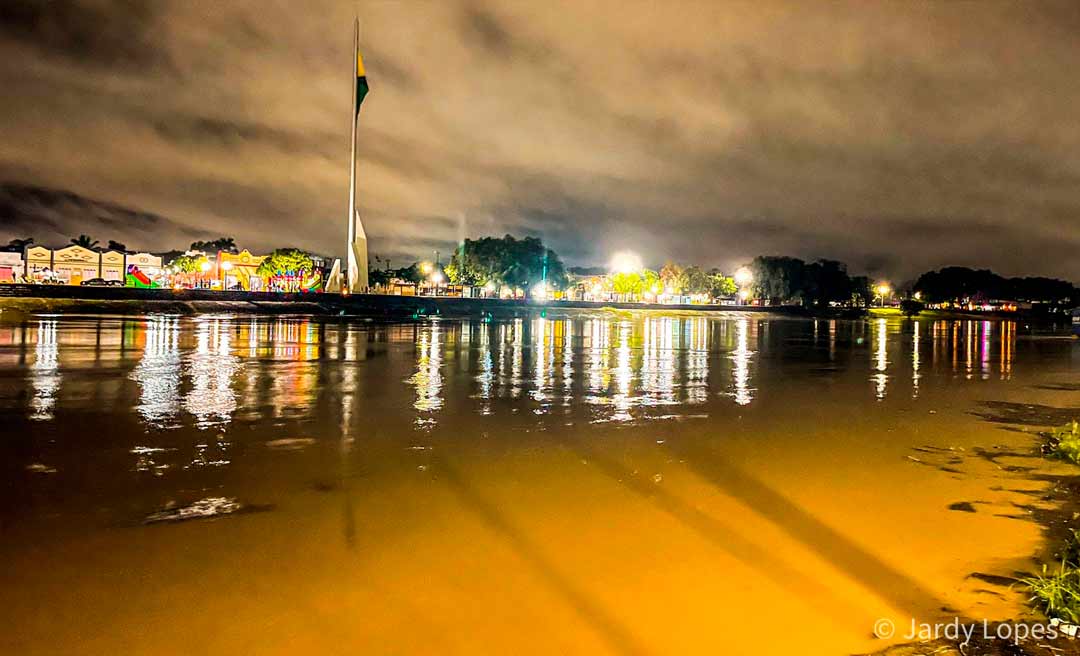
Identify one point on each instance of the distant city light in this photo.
(539, 290)
(437, 277)
(425, 268)
(205, 266)
(489, 286)
(744, 294)
(625, 262)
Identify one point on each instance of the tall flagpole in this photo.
(352, 273)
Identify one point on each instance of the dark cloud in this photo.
(893, 136)
(106, 32)
(55, 215)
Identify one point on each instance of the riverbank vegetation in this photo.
(1056, 590)
(1064, 443)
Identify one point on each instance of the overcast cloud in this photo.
(894, 136)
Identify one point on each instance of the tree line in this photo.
(961, 284)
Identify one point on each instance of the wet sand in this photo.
(635, 484)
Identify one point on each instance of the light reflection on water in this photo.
(45, 376)
(212, 370)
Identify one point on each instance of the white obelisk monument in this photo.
(357, 280)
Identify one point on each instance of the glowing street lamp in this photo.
(437, 277)
(539, 291)
(205, 266)
(227, 266)
(425, 268)
(883, 289)
(743, 277)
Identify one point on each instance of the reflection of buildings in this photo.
(620, 368)
(212, 398)
(740, 359)
(158, 371)
(428, 377)
(44, 372)
(881, 358)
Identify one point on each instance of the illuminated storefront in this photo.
(112, 265)
(39, 264)
(11, 267)
(239, 271)
(74, 264)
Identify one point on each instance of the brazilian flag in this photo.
(361, 82)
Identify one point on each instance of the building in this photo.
(74, 264)
(112, 265)
(238, 271)
(39, 264)
(142, 266)
(11, 267)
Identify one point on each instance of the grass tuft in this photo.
(1064, 443)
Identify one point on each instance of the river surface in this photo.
(607, 483)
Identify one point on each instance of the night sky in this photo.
(894, 136)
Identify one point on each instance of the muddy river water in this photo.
(589, 483)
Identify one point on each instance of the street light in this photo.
(227, 266)
(205, 266)
(883, 289)
(743, 277)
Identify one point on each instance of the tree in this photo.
(20, 244)
(224, 244)
(116, 246)
(825, 282)
(720, 285)
(520, 263)
(671, 276)
(189, 263)
(85, 241)
(650, 281)
(862, 292)
(286, 261)
(910, 307)
(695, 280)
(627, 284)
(777, 278)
